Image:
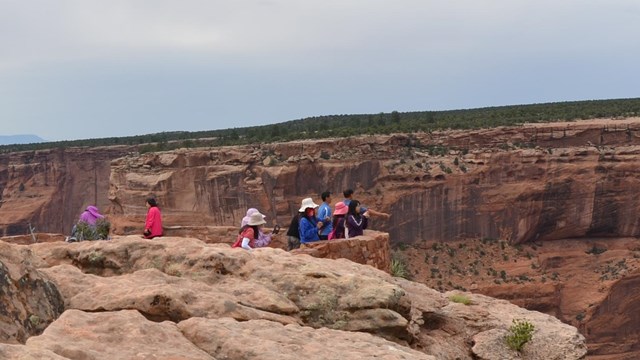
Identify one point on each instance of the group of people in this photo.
(313, 222)
(91, 215)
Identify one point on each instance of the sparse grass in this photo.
(95, 257)
(520, 333)
(399, 268)
(173, 270)
(34, 320)
(460, 299)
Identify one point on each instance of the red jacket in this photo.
(153, 223)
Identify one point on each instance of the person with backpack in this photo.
(153, 223)
(309, 224)
(324, 216)
(248, 233)
(338, 221)
(355, 221)
(293, 233)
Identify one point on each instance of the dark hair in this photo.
(255, 230)
(325, 195)
(347, 193)
(152, 201)
(352, 208)
(336, 219)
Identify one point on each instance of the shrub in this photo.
(85, 231)
(520, 333)
(399, 267)
(460, 299)
(103, 227)
(595, 250)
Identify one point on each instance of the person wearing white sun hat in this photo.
(248, 233)
(309, 224)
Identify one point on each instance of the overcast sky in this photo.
(74, 69)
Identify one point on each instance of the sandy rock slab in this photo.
(264, 340)
(115, 335)
(162, 297)
(21, 352)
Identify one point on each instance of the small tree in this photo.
(103, 227)
(520, 333)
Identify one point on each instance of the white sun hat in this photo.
(307, 203)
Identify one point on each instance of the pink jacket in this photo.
(153, 223)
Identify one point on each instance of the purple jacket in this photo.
(91, 215)
(356, 227)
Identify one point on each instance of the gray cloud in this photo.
(130, 67)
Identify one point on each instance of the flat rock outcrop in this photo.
(178, 298)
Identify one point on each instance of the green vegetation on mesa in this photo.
(351, 125)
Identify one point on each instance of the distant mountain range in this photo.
(19, 139)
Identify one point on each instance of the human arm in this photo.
(245, 243)
(371, 212)
(263, 239)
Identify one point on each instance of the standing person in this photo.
(348, 195)
(263, 239)
(356, 222)
(293, 233)
(247, 234)
(324, 216)
(338, 221)
(309, 224)
(153, 224)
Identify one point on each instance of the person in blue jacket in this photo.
(309, 224)
(324, 216)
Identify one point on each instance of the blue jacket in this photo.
(325, 212)
(308, 230)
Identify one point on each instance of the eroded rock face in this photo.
(28, 300)
(230, 339)
(49, 188)
(124, 298)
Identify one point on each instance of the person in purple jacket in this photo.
(89, 216)
(355, 221)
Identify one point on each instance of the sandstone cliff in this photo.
(49, 188)
(179, 298)
(520, 184)
(481, 185)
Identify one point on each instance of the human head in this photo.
(340, 208)
(256, 219)
(354, 208)
(307, 203)
(93, 210)
(151, 202)
(347, 193)
(326, 196)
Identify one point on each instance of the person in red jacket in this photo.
(153, 224)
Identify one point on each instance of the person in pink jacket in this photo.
(153, 224)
